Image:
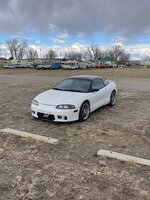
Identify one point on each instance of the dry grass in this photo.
(130, 73)
(69, 171)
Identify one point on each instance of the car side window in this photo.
(98, 84)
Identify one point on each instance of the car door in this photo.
(99, 94)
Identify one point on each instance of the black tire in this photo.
(112, 98)
(84, 111)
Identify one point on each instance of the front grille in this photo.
(46, 116)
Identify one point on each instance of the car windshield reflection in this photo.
(74, 85)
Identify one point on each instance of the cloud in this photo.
(21, 37)
(120, 38)
(41, 50)
(55, 40)
(60, 38)
(63, 35)
(38, 42)
(139, 51)
(118, 44)
(147, 31)
(78, 47)
(75, 17)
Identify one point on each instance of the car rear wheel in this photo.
(84, 111)
(113, 98)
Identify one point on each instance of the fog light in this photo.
(65, 117)
(59, 117)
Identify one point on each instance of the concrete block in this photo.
(33, 136)
(123, 157)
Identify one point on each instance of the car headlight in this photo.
(65, 106)
(36, 103)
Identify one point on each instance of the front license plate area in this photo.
(46, 116)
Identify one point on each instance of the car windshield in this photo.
(74, 85)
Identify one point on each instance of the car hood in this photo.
(57, 97)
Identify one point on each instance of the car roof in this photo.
(89, 77)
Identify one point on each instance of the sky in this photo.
(76, 24)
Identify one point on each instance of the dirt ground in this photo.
(71, 170)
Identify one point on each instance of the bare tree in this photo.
(118, 54)
(1, 64)
(93, 53)
(124, 58)
(146, 58)
(17, 48)
(10, 46)
(72, 55)
(22, 50)
(31, 53)
(51, 54)
(0, 50)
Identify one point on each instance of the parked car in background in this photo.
(9, 66)
(106, 66)
(74, 98)
(43, 67)
(121, 66)
(55, 65)
(47, 66)
(39, 67)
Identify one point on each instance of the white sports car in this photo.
(74, 98)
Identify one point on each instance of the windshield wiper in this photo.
(71, 90)
(58, 89)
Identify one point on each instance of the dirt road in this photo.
(31, 170)
(123, 84)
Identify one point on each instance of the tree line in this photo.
(117, 54)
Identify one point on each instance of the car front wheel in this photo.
(84, 111)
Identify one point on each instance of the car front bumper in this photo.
(50, 113)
